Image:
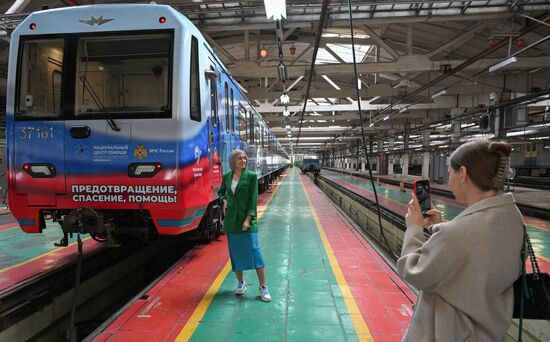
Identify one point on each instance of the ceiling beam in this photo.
(380, 42)
(406, 64)
(459, 40)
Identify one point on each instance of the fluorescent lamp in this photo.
(386, 117)
(285, 99)
(286, 112)
(275, 9)
(331, 82)
(439, 93)
(371, 125)
(287, 126)
(403, 110)
(503, 64)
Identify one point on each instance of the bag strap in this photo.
(523, 291)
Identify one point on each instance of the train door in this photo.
(38, 136)
(214, 138)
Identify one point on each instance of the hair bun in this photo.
(501, 148)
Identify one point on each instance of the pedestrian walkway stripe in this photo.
(361, 327)
(194, 321)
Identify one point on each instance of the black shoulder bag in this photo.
(531, 291)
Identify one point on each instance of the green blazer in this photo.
(242, 203)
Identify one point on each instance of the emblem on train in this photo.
(197, 154)
(81, 152)
(95, 21)
(140, 152)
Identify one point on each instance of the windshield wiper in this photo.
(98, 103)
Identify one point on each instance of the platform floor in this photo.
(391, 197)
(25, 256)
(327, 284)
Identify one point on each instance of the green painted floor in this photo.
(540, 238)
(307, 304)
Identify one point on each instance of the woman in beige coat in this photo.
(466, 269)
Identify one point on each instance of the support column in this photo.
(405, 165)
(426, 156)
(391, 157)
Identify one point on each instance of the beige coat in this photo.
(465, 272)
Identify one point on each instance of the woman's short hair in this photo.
(233, 157)
(486, 162)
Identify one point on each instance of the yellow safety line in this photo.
(194, 321)
(361, 327)
(39, 256)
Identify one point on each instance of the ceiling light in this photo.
(372, 124)
(438, 94)
(286, 112)
(403, 110)
(331, 82)
(386, 117)
(285, 99)
(275, 9)
(503, 64)
(287, 126)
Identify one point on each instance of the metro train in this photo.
(120, 120)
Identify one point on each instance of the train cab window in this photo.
(195, 86)
(127, 75)
(227, 127)
(243, 129)
(39, 82)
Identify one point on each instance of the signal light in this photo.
(40, 170)
(32, 26)
(162, 20)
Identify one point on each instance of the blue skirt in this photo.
(244, 251)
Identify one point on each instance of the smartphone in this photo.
(422, 193)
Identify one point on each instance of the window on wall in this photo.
(251, 125)
(232, 112)
(227, 127)
(195, 87)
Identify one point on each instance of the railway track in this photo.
(39, 308)
(525, 209)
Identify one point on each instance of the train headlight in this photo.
(39, 170)
(143, 170)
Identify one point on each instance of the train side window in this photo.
(195, 86)
(213, 104)
(243, 129)
(226, 108)
(251, 125)
(232, 106)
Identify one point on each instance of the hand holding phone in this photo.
(421, 190)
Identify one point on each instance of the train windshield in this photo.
(74, 77)
(121, 74)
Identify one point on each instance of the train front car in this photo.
(104, 124)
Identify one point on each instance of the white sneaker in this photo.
(241, 288)
(264, 293)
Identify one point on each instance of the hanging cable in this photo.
(313, 58)
(363, 133)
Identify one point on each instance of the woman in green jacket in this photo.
(239, 195)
